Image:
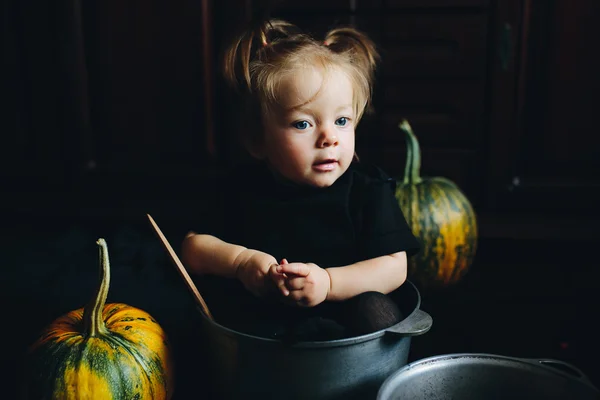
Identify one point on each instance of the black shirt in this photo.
(354, 219)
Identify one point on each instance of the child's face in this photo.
(310, 139)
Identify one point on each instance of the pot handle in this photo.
(563, 367)
(417, 323)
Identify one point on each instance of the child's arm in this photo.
(381, 274)
(206, 254)
(309, 285)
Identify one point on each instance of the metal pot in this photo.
(487, 376)
(246, 366)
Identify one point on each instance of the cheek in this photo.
(349, 140)
(285, 152)
(294, 153)
(275, 142)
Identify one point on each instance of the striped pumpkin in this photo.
(102, 351)
(441, 217)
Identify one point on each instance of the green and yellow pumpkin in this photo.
(102, 351)
(441, 217)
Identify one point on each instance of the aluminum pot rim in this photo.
(529, 362)
(318, 344)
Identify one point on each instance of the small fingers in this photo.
(279, 280)
(295, 283)
(294, 269)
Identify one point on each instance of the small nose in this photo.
(327, 138)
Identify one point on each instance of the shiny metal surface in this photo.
(487, 376)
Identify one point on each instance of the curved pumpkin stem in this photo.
(92, 313)
(412, 170)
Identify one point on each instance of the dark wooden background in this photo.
(126, 98)
(114, 109)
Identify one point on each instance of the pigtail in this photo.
(362, 50)
(236, 60)
(254, 44)
(363, 57)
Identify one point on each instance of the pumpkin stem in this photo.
(412, 170)
(92, 313)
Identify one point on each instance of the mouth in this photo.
(325, 165)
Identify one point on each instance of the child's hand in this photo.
(305, 285)
(279, 279)
(254, 274)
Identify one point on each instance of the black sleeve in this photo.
(384, 229)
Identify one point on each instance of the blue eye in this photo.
(341, 121)
(300, 125)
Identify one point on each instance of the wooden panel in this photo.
(147, 78)
(442, 113)
(45, 126)
(553, 155)
(507, 31)
(319, 24)
(436, 3)
(568, 143)
(326, 5)
(435, 45)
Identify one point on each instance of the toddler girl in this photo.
(307, 242)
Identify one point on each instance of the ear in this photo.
(255, 149)
(259, 155)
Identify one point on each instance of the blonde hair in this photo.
(260, 58)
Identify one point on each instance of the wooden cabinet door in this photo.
(434, 75)
(109, 106)
(148, 86)
(45, 125)
(106, 88)
(545, 146)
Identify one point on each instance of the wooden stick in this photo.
(182, 271)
